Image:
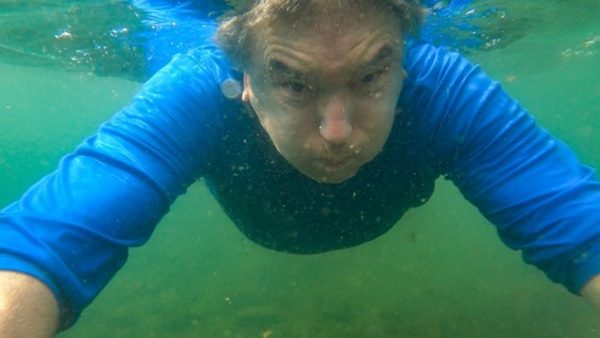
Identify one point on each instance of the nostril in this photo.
(335, 130)
(335, 125)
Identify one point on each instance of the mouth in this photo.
(334, 163)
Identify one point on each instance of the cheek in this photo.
(293, 139)
(290, 132)
(377, 116)
(373, 129)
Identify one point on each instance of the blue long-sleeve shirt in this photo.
(72, 230)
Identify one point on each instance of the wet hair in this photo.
(235, 34)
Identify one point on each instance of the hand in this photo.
(27, 307)
(591, 292)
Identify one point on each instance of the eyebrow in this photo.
(385, 54)
(276, 67)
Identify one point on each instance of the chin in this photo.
(331, 177)
(335, 180)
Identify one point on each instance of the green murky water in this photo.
(441, 272)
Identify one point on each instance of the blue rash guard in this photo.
(73, 228)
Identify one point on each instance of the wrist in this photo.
(591, 291)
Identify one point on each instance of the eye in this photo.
(296, 87)
(372, 77)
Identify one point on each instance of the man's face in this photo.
(327, 95)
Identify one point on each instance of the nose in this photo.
(335, 126)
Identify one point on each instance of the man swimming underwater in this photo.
(344, 122)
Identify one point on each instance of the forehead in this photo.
(325, 17)
(323, 40)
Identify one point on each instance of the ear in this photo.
(247, 91)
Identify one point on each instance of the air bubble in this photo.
(65, 34)
(231, 89)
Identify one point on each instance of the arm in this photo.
(542, 200)
(27, 307)
(72, 230)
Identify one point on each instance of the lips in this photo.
(334, 162)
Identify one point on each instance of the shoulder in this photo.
(432, 68)
(450, 102)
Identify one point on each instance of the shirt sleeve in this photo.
(543, 201)
(73, 228)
